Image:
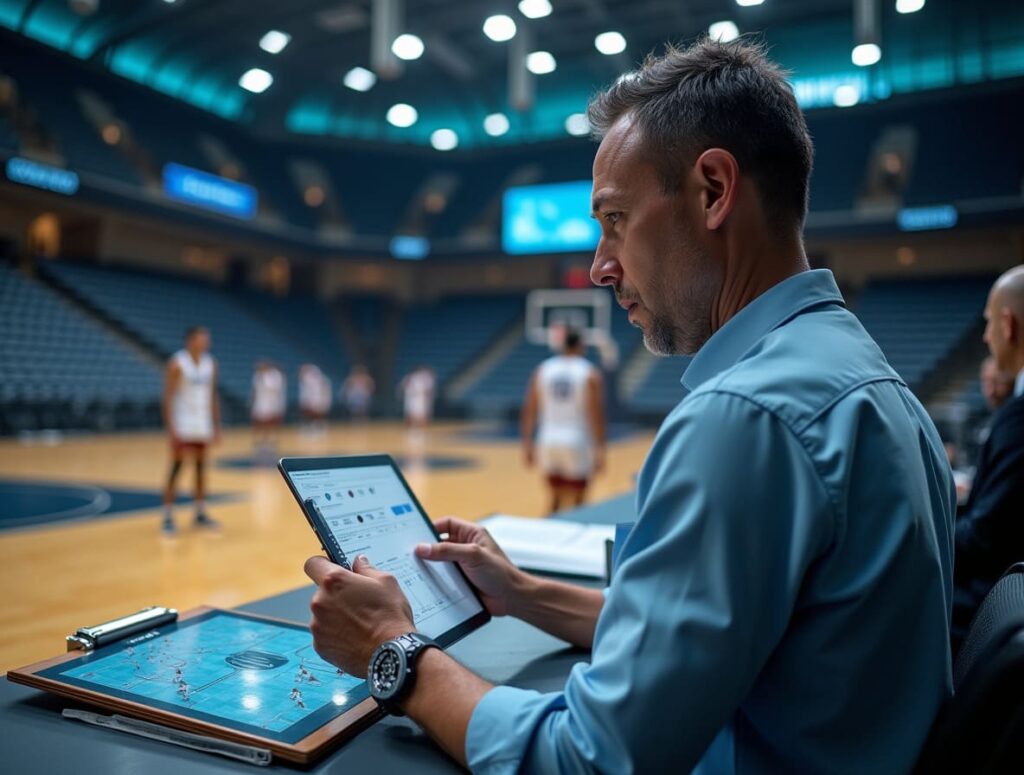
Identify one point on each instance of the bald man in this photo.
(990, 533)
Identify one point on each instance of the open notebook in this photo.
(552, 545)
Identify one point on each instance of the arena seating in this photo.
(306, 323)
(63, 369)
(157, 309)
(448, 334)
(918, 322)
(660, 389)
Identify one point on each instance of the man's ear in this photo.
(719, 177)
(1011, 327)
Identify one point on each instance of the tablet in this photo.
(227, 674)
(362, 505)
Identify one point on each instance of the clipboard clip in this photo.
(89, 638)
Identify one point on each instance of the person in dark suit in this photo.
(990, 533)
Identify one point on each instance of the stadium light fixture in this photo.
(540, 62)
(407, 47)
(846, 96)
(273, 42)
(909, 6)
(866, 54)
(577, 125)
(610, 42)
(256, 80)
(444, 139)
(496, 124)
(402, 115)
(500, 28)
(535, 9)
(748, 3)
(360, 79)
(723, 31)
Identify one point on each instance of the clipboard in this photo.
(229, 675)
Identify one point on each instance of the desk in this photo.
(35, 739)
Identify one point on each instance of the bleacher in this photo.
(305, 322)
(918, 322)
(61, 369)
(157, 309)
(450, 333)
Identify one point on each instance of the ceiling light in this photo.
(747, 3)
(846, 95)
(402, 115)
(540, 63)
(444, 139)
(256, 80)
(275, 41)
(496, 124)
(610, 43)
(407, 47)
(909, 6)
(866, 54)
(577, 125)
(723, 31)
(360, 79)
(500, 28)
(534, 9)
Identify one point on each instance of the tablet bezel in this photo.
(287, 465)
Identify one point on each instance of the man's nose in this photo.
(606, 269)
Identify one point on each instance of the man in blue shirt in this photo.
(782, 603)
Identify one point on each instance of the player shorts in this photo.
(189, 446)
(567, 462)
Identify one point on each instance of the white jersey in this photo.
(268, 394)
(419, 394)
(563, 398)
(192, 404)
(314, 391)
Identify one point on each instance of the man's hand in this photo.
(480, 558)
(354, 612)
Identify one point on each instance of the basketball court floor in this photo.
(79, 523)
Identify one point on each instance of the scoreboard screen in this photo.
(551, 218)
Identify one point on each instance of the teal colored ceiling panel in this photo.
(52, 23)
(10, 13)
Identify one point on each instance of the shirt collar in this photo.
(1018, 386)
(771, 309)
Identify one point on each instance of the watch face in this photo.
(387, 671)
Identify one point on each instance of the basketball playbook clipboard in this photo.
(224, 674)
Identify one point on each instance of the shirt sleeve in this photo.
(731, 513)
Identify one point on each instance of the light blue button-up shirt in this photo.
(783, 602)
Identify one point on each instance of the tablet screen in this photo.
(253, 675)
(369, 511)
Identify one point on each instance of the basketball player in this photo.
(566, 394)
(191, 414)
(314, 396)
(269, 402)
(357, 392)
(417, 391)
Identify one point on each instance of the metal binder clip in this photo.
(89, 638)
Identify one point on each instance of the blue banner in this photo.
(32, 173)
(209, 191)
(553, 218)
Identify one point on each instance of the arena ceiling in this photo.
(197, 51)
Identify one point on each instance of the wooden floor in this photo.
(58, 577)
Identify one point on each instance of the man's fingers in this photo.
(319, 568)
(447, 552)
(362, 567)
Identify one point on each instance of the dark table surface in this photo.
(35, 738)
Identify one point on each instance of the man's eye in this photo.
(612, 217)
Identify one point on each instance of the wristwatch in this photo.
(392, 669)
